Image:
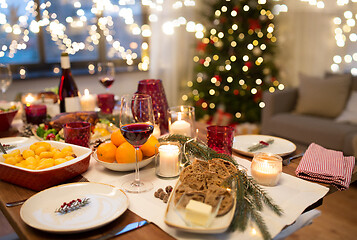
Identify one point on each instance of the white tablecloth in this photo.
(292, 194)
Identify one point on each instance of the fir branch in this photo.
(263, 195)
(257, 218)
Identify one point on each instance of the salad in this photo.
(45, 132)
(103, 128)
(12, 108)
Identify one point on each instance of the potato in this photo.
(60, 160)
(46, 155)
(28, 153)
(40, 155)
(11, 160)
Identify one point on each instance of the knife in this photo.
(124, 229)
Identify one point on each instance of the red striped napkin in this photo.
(327, 166)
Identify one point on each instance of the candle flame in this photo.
(29, 98)
(179, 117)
(86, 92)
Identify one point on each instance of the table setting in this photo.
(152, 166)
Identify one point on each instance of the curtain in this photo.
(171, 55)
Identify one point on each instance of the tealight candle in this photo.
(87, 101)
(168, 159)
(181, 127)
(266, 168)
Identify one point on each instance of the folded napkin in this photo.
(327, 166)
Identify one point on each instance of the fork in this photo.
(2, 148)
(286, 162)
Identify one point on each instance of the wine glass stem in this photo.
(137, 175)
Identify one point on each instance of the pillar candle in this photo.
(169, 165)
(87, 101)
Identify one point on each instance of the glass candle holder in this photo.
(182, 120)
(220, 138)
(77, 133)
(36, 113)
(266, 168)
(155, 89)
(168, 159)
(106, 102)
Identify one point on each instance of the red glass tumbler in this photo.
(35, 114)
(106, 102)
(77, 133)
(220, 139)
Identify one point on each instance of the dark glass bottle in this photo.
(67, 90)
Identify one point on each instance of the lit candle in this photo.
(28, 99)
(87, 101)
(266, 168)
(169, 165)
(181, 127)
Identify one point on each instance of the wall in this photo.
(306, 44)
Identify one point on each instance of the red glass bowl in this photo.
(41, 179)
(6, 119)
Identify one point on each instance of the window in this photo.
(35, 32)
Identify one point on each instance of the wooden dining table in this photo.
(10, 192)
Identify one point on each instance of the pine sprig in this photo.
(250, 197)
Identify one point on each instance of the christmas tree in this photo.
(234, 61)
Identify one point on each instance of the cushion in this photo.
(325, 97)
(349, 115)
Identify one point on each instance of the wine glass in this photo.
(106, 74)
(5, 78)
(136, 122)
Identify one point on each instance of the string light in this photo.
(29, 24)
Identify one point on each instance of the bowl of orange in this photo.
(119, 155)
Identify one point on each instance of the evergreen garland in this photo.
(250, 197)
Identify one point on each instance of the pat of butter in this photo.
(198, 213)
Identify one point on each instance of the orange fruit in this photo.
(126, 153)
(148, 148)
(117, 138)
(106, 152)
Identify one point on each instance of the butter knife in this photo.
(124, 229)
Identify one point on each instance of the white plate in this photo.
(17, 141)
(218, 224)
(106, 204)
(280, 146)
(122, 167)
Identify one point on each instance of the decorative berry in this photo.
(72, 205)
(168, 189)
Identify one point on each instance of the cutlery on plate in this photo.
(286, 162)
(124, 229)
(16, 203)
(2, 148)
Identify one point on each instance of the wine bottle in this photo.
(67, 90)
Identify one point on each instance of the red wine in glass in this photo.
(136, 120)
(107, 82)
(137, 133)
